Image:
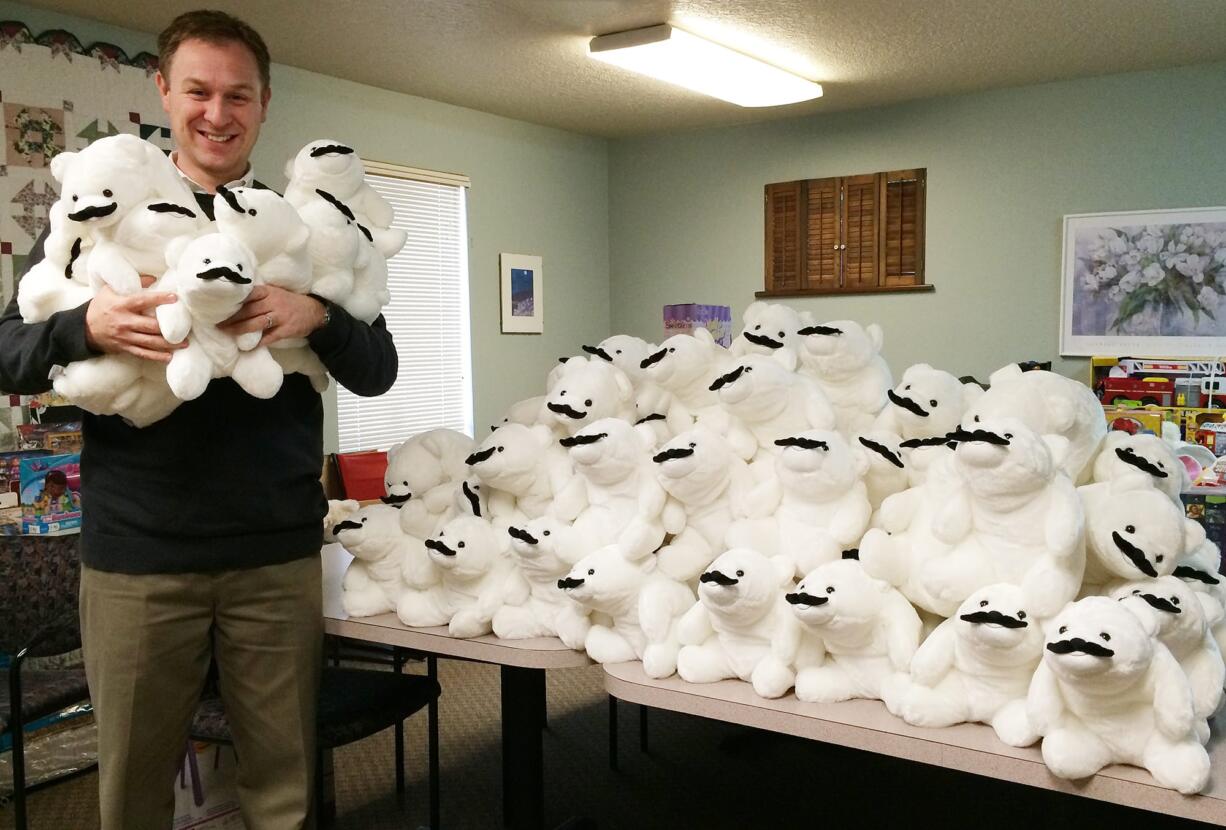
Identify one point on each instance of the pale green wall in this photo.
(1004, 167)
(534, 190)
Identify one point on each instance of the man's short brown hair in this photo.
(212, 27)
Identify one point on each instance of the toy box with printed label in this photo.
(51, 494)
(1139, 421)
(1210, 510)
(685, 317)
(57, 438)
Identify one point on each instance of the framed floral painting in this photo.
(1145, 283)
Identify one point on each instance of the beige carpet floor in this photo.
(698, 774)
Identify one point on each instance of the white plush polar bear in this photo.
(638, 610)
(767, 401)
(713, 487)
(624, 500)
(1049, 404)
(1108, 692)
(652, 404)
(373, 583)
(823, 506)
(272, 229)
(771, 329)
(211, 277)
(1199, 571)
(887, 469)
(976, 667)
(544, 549)
(119, 384)
(927, 405)
(849, 634)
(627, 353)
(477, 575)
(684, 366)
(336, 246)
(523, 467)
(59, 281)
(1123, 454)
(844, 358)
(1133, 531)
(1183, 619)
(728, 632)
(422, 476)
(1016, 518)
(584, 391)
(526, 412)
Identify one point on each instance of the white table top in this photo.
(865, 724)
(539, 653)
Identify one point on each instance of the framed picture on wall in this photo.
(523, 310)
(1144, 283)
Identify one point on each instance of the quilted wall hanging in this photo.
(55, 95)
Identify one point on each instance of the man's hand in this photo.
(115, 323)
(278, 313)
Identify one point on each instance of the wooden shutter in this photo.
(903, 233)
(822, 243)
(784, 246)
(860, 242)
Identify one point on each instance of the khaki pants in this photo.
(147, 641)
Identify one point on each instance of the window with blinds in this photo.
(846, 234)
(427, 315)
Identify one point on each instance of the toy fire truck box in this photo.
(1211, 434)
(685, 317)
(1210, 511)
(57, 438)
(1140, 420)
(51, 494)
(1192, 382)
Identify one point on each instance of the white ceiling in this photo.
(526, 59)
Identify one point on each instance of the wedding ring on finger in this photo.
(267, 322)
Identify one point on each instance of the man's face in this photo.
(216, 104)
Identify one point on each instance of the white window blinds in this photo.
(427, 316)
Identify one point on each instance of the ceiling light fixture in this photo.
(680, 58)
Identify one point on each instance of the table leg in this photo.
(432, 715)
(398, 666)
(523, 789)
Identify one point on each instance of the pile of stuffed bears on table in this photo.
(784, 513)
(124, 212)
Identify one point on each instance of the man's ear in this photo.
(265, 97)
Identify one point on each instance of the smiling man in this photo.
(201, 532)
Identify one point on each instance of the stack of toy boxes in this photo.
(685, 317)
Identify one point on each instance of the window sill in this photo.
(829, 292)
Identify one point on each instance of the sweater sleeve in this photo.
(361, 357)
(28, 351)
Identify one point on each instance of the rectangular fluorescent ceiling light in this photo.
(680, 58)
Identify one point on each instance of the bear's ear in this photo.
(1212, 609)
(289, 167)
(60, 165)
(625, 389)
(1004, 374)
(175, 248)
(875, 336)
(1193, 535)
(806, 319)
(785, 358)
(915, 369)
(971, 392)
(752, 310)
(703, 334)
(785, 570)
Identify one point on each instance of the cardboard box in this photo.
(1210, 510)
(51, 494)
(685, 317)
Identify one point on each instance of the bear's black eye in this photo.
(781, 334)
(74, 198)
(983, 603)
(1136, 592)
(1021, 615)
(562, 394)
(588, 402)
(240, 266)
(618, 351)
(107, 193)
(591, 571)
(748, 369)
(932, 403)
(740, 573)
(1174, 600)
(500, 449)
(905, 388)
(405, 483)
(1063, 629)
(1158, 558)
(692, 445)
(460, 545)
(1106, 638)
(363, 520)
(830, 589)
(1130, 528)
(758, 327)
(251, 211)
(671, 350)
(1161, 466)
(1008, 435)
(976, 419)
(207, 261)
(546, 533)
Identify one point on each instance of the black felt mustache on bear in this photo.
(996, 617)
(579, 440)
(599, 352)
(723, 380)
(87, 213)
(569, 582)
(883, 451)
(802, 442)
(474, 500)
(655, 416)
(523, 536)
(478, 457)
(346, 525)
(345, 211)
(669, 455)
(1188, 572)
(396, 501)
(965, 436)
(801, 598)
(563, 409)
(718, 578)
(906, 403)
(762, 340)
(828, 330)
(231, 199)
(654, 357)
(221, 272)
(1129, 456)
(1161, 603)
(1135, 555)
(171, 207)
(934, 441)
(1078, 644)
(73, 255)
(435, 544)
(331, 150)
